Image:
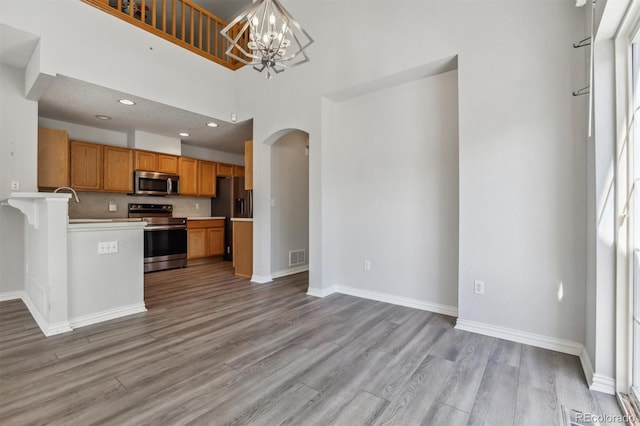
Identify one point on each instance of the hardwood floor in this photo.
(215, 349)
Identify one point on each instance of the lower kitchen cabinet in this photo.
(205, 237)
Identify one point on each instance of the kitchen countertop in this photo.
(103, 224)
(241, 219)
(206, 218)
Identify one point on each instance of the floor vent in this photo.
(297, 257)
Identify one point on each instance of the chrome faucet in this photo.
(75, 195)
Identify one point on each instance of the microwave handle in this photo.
(169, 185)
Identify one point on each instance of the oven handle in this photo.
(165, 227)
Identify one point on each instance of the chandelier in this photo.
(268, 38)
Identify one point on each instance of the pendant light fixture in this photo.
(266, 36)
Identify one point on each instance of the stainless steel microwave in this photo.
(152, 183)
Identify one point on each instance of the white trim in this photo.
(290, 271)
(261, 279)
(11, 295)
(46, 328)
(587, 366)
(603, 384)
(538, 340)
(321, 292)
(107, 315)
(399, 300)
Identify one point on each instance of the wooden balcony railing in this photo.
(179, 21)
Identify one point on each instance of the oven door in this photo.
(165, 246)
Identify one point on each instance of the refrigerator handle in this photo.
(250, 203)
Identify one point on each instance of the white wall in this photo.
(86, 133)
(392, 196)
(211, 155)
(152, 142)
(18, 118)
(522, 137)
(290, 195)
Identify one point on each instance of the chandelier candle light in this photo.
(276, 41)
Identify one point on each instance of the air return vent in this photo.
(297, 257)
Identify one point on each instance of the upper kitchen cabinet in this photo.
(86, 165)
(117, 169)
(53, 158)
(207, 178)
(188, 171)
(238, 171)
(167, 164)
(225, 170)
(147, 161)
(248, 165)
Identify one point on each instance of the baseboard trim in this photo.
(587, 366)
(603, 384)
(84, 320)
(291, 271)
(46, 328)
(399, 300)
(11, 295)
(261, 279)
(538, 340)
(321, 292)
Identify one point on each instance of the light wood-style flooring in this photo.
(215, 349)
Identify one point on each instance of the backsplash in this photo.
(95, 205)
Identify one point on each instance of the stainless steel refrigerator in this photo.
(231, 200)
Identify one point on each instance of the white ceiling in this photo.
(75, 101)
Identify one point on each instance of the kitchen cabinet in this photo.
(238, 171)
(225, 169)
(86, 165)
(243, 247)
(196, 243)
(206, 178)
(205, 237)
(215, 241)
(53, 158)
(117, 169)
(188, 171)
(248, 165)
(168, 164)
(147, 161)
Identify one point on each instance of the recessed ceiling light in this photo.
(212, 124)
(184, 134)
(126, 102)
(103, 117)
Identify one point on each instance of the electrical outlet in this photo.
(197, 206)
(367, 265)
(113, 206)
(15, 185)
(478, 287)
(107, 247)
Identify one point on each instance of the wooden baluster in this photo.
(173, 18)
(183, 23)
(193, 24)
(215, 39)
(208, 35)
(164, 15)
(200, 29)
(119, 5)
(143, 17)
(153, 13)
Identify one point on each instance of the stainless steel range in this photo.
(165, 236)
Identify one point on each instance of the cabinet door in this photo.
(86, 166)
(147, 161)
(238, 171)
(188, 168)
(167, 164)
(207, 178)
(225, 169)
(118, 169)
(248, 165)
(53, 158)
(215, 241)
(196, 243)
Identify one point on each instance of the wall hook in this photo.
(582, 43)
(583, 91)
